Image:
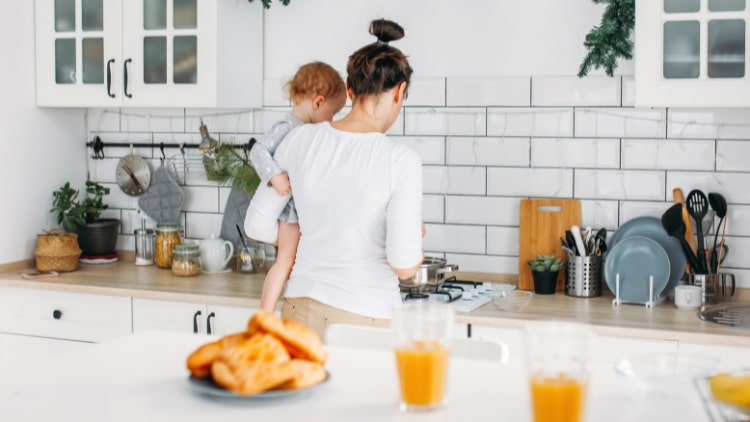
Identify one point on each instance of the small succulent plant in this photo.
(545, 263)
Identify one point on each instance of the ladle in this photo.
(672, 222)
(697, 205)
(719, 205)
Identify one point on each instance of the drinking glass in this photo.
(422, 336)
(557, 354)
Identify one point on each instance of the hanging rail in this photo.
(98, 146)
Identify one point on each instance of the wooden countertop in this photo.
(123, 278)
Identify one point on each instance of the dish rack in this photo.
(653, 299)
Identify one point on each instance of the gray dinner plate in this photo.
(636, 259)
(208, 387)
(652, 228)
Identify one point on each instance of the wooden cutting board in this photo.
(542, 223)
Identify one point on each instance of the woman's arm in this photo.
(404, 214)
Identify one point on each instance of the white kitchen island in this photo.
(142, 377)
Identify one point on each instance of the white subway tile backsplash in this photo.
(617, 184)
(575, 152)
(502, 241)
(723, 123)
(455, 180)
(426, 92)
(488, 151)
(454, 238)
(481, 210)
(507, 91)
(433, 208)
(532, 121)
(575, 91)
(530, 182)
(430, 148)
(620, 122)
(680, 154)
(445, 121)
(733, 155)
(485, 143)
(201, 199)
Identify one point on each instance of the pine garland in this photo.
(611, 39)
(232, 166)
(267, 3)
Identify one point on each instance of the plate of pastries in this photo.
(273, 358)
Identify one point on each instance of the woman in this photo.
(358, 197)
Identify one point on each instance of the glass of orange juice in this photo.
(422, 332)
(557, 354)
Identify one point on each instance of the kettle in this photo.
(215, 254)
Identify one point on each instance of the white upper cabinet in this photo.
(691, 53)
(149, 53)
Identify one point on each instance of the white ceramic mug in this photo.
(687, 297)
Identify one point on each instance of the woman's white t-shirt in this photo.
(359, 200)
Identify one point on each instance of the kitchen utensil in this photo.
(637, 259)
(719, 205)
(672, 222)
(715, 288)
(651, 227)
(584, 276)
(697, 205)
(680, 199)
(722, 252)
(567, 249)
(601, 242)
(571, 241)
(579, 240)
(541, 223)
(431, 273)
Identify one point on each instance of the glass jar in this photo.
(186, 260)
(167, 237)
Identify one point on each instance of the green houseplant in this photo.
(96, 235)
(545, 270)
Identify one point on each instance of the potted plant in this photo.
(544, 270)
(96, 236)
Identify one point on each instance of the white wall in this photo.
(41, 148)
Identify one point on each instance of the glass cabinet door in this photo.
(704, 39)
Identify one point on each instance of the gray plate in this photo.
(209, 387)
(652, 228)
(635, 259)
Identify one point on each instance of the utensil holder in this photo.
(584, 276)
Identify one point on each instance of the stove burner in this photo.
(416, 296)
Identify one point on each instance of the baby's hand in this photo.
(280, 184)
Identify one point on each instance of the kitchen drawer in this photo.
(186, 317)
(730, 357)
(64, 315)
(18, 349)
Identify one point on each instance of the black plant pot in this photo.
(99, 237)
(545, 282)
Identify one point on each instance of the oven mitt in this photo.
(234, 215)
(163, 200)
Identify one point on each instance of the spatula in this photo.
(719, 205)
(672, 222)
(697, 205)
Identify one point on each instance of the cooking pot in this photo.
(429, 274)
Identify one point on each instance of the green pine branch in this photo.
(611, 40)
(232, 166)
(267, 3)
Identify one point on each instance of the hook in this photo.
(161, 148)
(182, 149)
(98, 148)
(249, 145)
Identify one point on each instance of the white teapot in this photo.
(215, 254)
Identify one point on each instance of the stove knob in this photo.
(467, 294)
(480, 288)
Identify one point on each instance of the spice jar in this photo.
(186, 260)
(167, 237)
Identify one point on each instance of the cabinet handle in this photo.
(195, 321)
(208, 322)
(57, 314)
(109, 78)
(125, 78)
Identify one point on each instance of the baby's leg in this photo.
(280, 270)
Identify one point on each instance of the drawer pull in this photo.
(195, 321)
(57, 314)
(208, 322)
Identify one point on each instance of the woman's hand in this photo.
(280, 184)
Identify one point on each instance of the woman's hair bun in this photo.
(386, 31)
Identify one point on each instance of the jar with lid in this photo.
(186, 260)
(167, 237)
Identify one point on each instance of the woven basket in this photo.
(57, 251)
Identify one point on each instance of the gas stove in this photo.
(464, 296)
